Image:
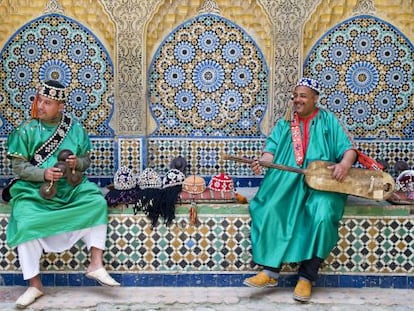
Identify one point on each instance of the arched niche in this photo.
(208, 78)
(54, 46)
(365, 66)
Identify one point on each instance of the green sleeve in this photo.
(20, 143)
(83, 163)
(27, 171)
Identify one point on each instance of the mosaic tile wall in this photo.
(131, 153)
(230, 79)
(366, 68)
(221, 243)
(208, 79)
(205, 156)
(56, 47)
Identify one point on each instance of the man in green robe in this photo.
(292, 222)
(48, 220)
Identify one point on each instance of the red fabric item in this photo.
(221, 182)
(34, 107)
(369, 162)
(297, 139)
(306, 128)
(300, 145)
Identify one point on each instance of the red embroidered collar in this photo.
(300, 144)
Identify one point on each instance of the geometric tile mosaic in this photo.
(56, 47)
(212, 246)
(390, 151)
(5, 165)
(204, 156)
(374, 245)
(208, 78)
(102, 157)
(131, 153)
(365, 66)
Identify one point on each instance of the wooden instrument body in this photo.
(370, 184)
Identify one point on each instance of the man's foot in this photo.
(102, 277)
(28, 297)
(303, 291)
(260, 280)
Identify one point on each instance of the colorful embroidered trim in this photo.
(297, 139)
(51, 145)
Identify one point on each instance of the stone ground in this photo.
(210, 299)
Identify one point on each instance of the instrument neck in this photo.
(266, 164)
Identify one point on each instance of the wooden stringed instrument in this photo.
(370, 184)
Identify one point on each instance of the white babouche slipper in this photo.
(28, 297)
(102, 277)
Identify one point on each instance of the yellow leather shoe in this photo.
(260, 280)
(303, 291)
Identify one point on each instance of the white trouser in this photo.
(31, 251)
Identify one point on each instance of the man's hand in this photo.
(53, 174)
(339, 171)
(255, 165)
(72, 161)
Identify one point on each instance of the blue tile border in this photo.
(211, 280)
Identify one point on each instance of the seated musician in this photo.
(291, 222)
(69, 208)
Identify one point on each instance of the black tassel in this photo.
(150, 201)
(169, 198)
